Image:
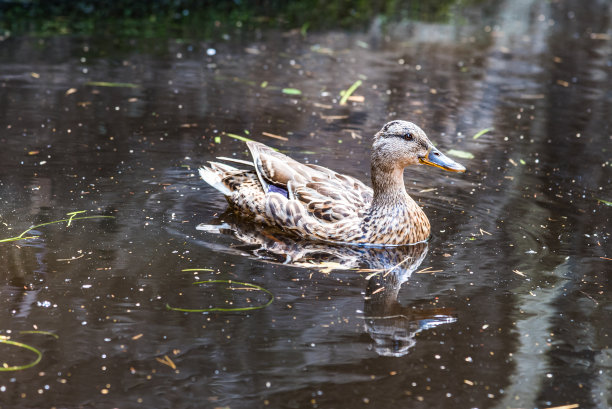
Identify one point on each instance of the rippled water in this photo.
(507, 306)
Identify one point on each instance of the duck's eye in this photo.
(409, 137)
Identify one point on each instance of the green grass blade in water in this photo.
(460, 154)
(484, 131)
(112, 84)
(223, 309)
(4, 367)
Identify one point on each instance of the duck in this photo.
(316, 203)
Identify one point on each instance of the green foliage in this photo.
(205, 18)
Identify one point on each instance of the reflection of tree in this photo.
(24, 261)
(391, 325)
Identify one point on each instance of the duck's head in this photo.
(402, 143)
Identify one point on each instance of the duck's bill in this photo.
(439, 160)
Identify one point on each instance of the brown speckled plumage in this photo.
(324, 205)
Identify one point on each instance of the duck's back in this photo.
(325, 194)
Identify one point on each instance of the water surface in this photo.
(506, 307)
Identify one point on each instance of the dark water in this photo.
(508, 305)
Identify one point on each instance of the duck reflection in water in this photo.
(392, 326)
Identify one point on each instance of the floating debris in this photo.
(271, 135)
(460, 154)
(324, 267)
(222, 309)
(321, 50)
(330, 118)
(69, 221)
(166, 361)
(572, 406)
(346, 94)
(484, 131)
(291, 91)
(111, 84)
(428, 270)
(4, 367)
(39, 332)
(532, 96)
(606, 202)
(356, 98)
(563, 83)
(239, 137)
(323, 106)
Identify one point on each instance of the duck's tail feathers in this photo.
(212, 176)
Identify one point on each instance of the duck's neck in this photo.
(394, 217)
(388, 186)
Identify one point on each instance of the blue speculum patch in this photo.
(276, 189)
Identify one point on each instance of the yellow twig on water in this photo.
(166, 361)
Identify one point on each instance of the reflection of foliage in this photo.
(206, 17)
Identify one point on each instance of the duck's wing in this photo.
(274, 168)
(326, 195)
(334, 197)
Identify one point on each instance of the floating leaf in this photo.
(349, 92)
(460, 154)
(484, 131)
(522, 162)
(291, 91)
(111, 84)
(239, 137)
(217, 139)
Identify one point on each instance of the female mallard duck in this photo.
(317, 203)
